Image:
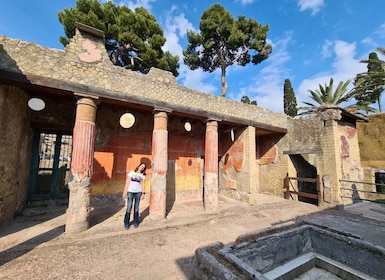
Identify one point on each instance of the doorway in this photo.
(50, 168)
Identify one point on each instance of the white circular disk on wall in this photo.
(36, 104)
(187, 126)
(127, 120)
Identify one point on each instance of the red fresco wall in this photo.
(121, 153)
(232, 157)
(267, 150)
(185, 175)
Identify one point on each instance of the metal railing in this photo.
(362, 194)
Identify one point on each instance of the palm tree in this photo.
(326, 97)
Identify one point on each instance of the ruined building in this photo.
(72, 124)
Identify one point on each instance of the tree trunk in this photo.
(224, 83)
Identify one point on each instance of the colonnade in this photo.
(79, 205)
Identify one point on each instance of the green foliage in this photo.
(133, 39)
(369, 86)
(327, 97)
(246, 99)
(289, 99)
(223, 41)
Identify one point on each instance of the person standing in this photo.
(134, 192)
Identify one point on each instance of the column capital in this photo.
(85, 95)
(213, 119)
(160, 120)
(86, 109)
(160, 109)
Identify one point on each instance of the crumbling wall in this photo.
(15, 151)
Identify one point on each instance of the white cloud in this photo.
(344, 67)
(368, 41)
(245, 2)
(381, 31)
(313, 5)
(327, 49)
(175, 31)
(132, 4)
(196, 80)
(267, 87)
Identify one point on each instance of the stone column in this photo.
(79, 205)
(332, 165)
(159, 166)
(250, 164)
(211, 167)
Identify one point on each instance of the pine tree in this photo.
(224, 41)
(369, 86)
(133, 39)
(246, 99)
(289, 99)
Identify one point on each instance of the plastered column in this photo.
(250, 163)
(211, 167)
(79, 205)
(159, 166)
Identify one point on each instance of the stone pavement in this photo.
(41, 225)
(38, 227)
(46, 225)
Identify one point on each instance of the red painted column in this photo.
(211, 167)
(79, 206)
(159, 166)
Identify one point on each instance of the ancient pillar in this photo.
(211, 167)
(79, 205)
(250, 165)
(159, 166)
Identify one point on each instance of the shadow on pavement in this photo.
(23, 248)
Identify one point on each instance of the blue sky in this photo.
(313, 40)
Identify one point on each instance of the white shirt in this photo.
(136, 179)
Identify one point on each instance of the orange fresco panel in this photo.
(269, 156)
(234, 155)
(103, 163)
(267, 151)
(123, 152)
(185, 152)
(119, 154)
(188, 174)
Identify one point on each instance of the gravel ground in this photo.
(155, 250)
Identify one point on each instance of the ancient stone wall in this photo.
(71, 71)
(330, 145)
(249, 163)
(15, 151)
(235, 165)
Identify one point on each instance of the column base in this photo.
(76, 227)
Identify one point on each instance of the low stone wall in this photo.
(289, 252)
